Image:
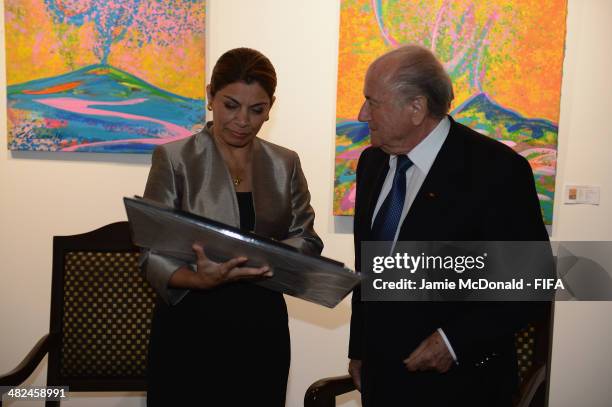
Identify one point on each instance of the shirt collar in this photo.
(424, 154)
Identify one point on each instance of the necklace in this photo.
(236, 180)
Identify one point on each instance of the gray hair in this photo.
(420, 73)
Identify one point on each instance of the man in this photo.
(454, 184)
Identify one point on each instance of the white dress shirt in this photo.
(422, 157)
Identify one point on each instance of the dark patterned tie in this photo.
(390, 212)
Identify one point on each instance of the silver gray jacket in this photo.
(190, 175)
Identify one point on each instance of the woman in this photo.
(217, 340)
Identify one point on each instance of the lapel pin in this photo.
(431, 195)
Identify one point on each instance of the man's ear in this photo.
(419, 110)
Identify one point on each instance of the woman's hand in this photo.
(354, 369)
(210, 274)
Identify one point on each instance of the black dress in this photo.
(228, 346)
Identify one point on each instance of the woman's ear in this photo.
(271, 103)
(208, 94)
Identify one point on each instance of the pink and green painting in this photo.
(112, 76)
(505, 58)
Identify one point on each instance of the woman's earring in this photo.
(209, 107)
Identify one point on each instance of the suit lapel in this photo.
(441, 187)
(267, 198)
(380, 167)
(218, 201)
(216, 198)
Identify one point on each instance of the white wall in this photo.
(582, 355)
(42, 195)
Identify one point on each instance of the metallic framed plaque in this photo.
(171, 232)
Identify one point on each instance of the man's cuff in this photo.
(448, 345)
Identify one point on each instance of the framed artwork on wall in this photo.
(505, 58)
(118, 76)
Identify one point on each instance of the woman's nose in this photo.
(242, 117)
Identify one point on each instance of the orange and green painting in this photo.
(505, 58)
(103, 75)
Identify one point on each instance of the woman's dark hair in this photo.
(243, 65)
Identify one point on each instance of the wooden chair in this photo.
(533, 345)
(101, 311)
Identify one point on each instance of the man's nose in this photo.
(364, 113)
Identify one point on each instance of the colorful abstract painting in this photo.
(117, 76)
(505, 58)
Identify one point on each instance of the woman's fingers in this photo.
(199, 251)
(227, 267)
(216, 273)
(239, 273)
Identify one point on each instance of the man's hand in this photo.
(354, 369)
(431, 354)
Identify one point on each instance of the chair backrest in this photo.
(533, 347)
(525, 342)
(101, 311)
(533, 342)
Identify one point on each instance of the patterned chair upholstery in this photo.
(101, 311)
(525, 346)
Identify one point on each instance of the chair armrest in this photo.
(322, 393)
(24, 369)
(532, 382)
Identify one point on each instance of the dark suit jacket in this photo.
(477, 190)
(190, 174)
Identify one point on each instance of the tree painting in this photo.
(505, 59)
(103, 75)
